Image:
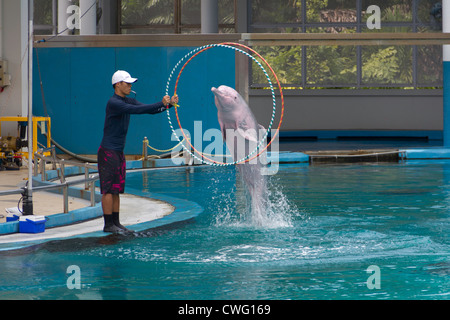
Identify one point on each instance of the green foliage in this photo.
(331, 65)
(382, 66)
(336, 65)
(287, 61)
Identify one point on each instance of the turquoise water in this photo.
(329, 224)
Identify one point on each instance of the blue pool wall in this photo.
(76, 85)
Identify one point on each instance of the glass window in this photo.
(280, 11)
(332, 11)
(429, 66)
(144, 12)
(286, 60)
(331, 66)
(190, 12)
(161, 14)
(429, 16)
(390, 10)
(302, 66)
(226, 12)
(387, 65)
(352, 66)
(42, 18)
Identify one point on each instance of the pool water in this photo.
(329, 224)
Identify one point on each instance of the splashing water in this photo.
(262, 204)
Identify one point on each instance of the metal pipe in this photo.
(27, 206)
(62, 173)
(209, 16)
(92, 189)
(86, 176)
(66, 199)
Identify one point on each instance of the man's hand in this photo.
(173, 101)
(166, 100)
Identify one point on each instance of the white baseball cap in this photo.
(121, 75)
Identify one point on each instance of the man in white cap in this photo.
(111, 159)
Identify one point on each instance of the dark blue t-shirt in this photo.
(117, 119)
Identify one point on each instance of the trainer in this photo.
(111, 159)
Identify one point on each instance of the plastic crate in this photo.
(12, 217)
(31, 224)
(13, 214)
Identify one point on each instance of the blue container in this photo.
(12, 218)
(32, 224)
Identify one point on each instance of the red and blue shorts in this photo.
(112, 170)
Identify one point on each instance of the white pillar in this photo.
(446, 72)
(88, 17)
(1, 29)
(446, 26)
(63, 5)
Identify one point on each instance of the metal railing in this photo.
(64, 184)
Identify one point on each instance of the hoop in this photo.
(229, 45)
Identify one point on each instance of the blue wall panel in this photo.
(77, 85)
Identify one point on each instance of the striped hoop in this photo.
(234, 46)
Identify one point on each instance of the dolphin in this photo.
(240, 132)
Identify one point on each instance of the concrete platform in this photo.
(134, 211)
(137, 213)
(44, 203)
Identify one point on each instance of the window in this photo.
(170, 16)
(349, 66)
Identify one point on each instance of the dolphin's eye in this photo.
(235, 98)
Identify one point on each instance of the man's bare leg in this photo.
(110, 205)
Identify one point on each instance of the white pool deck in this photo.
(133, 210)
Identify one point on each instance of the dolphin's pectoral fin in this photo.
(248, 134)
(222, 129)
(245, 131)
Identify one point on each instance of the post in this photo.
(144, 148)
(92, 189)
(241, 16)
(446, 74)
(242, 74)
(66, 198)
(53, 157)
(63, 5)
(62, 174)
(36, 164)
(42, 165)
(86, 175)
(27, 206)
(88, 17)
(209, 16)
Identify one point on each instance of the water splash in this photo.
(267, 208)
